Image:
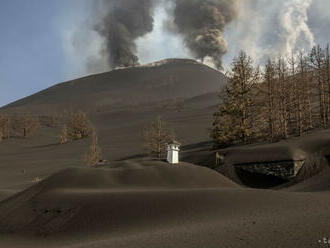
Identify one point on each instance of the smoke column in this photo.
(294, 23)
(123, 22)
(270, 28)
(202, 23)
(116, 33)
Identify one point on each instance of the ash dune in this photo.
(61, 197)
(152, 204)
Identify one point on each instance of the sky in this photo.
(29, 53)
(32, 56)
(39, 45)
(44, 42)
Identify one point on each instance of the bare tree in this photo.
(317, 63)
(271, 112)
(282, 77)
(4, 127)
(293, 95)
(327, 80)
(94, 153)
(64, 135)
(304, 79)
(78, 126)
(27, 124)
(156, 136)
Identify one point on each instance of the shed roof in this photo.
(262, 153)
(174, 142)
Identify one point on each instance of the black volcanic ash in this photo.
(202, 23)
(123, 23)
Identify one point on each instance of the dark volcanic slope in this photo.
(120, 104)
(152, 204)
(168, 79)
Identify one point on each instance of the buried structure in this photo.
(275, 160)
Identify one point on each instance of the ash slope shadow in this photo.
(88, 200)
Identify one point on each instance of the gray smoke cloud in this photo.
(202, 23)
(122, 32)
(319, 20)
(122, 22)
(270, 28)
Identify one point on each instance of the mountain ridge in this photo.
(158, 81)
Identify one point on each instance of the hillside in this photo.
(163, 81)
(120, 104)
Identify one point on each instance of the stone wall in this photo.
(282, 169)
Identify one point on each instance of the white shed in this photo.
(173, 149)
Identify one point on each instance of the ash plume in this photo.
(113, 33)
(202, 23)
(270, 28)
(123, 22)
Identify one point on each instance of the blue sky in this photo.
(31, 46)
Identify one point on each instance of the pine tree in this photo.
(233, 121)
